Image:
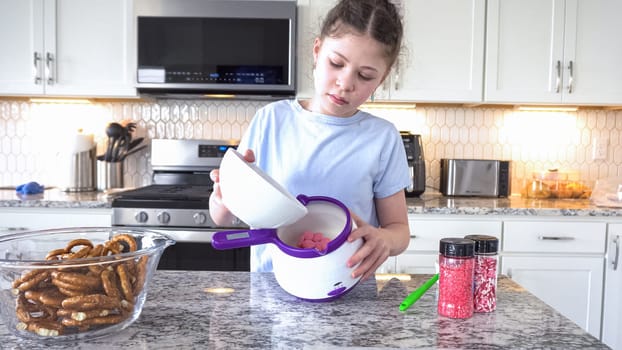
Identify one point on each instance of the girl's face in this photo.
(347, 71)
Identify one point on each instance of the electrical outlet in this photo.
(599, 148)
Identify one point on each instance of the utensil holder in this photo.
(81, 176)
(109, 175)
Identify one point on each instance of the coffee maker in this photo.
(416, 163)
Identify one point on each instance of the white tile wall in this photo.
(31, 135)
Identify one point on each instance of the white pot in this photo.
(306, 273)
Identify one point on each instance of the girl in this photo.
(326, 146)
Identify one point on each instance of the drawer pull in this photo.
(616, 241)
(555, 238)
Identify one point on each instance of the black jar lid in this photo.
(485, 244)
(457, 247)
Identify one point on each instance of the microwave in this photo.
(238, 47)
(475, 177)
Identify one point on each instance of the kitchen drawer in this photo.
(26, 219)
(554, 236)
(416, 263)
(426, 234)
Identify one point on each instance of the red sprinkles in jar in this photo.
(455, 290)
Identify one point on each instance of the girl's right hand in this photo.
(218, 211)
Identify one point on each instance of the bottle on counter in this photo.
(456, 267)
(485, 274)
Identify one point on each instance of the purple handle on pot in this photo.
(243, 238)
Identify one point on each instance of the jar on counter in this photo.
(485, 275)
(456, 267)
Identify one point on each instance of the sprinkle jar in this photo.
(456, 265)
(485, 275)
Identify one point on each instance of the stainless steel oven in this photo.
(177, 204)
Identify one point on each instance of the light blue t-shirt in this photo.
(354, 159)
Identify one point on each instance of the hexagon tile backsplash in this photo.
(588, 141)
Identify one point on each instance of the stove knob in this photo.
(141, 217)
(199, 218)
(164, 217)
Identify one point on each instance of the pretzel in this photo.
(83, 315)
(91, 302)
(109, 282)
(96, 251)
(78, 242)
(26, 276)
(80, 253)
(56, 254)
(42, 327)
(141, 274)
(77, 280)
(126, 240)
(95, 321)
(30, 283)
(126, 285)
(48, 297)
(69, 299)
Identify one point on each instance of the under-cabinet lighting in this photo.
(546, 108)
(219, 290)
(219, 95)
(389, 276)
(78, 101)
(388, 105)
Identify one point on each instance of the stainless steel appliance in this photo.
(416, 163)
(242, 47)
(475, 177)
(177, 204)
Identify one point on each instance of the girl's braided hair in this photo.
(380, 19)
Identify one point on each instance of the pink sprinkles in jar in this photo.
(485, 278)
(456, 268)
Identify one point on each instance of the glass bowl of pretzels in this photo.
(76, 283)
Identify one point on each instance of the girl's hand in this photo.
(219, 213)
(374, 251)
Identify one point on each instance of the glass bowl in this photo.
(76, 283)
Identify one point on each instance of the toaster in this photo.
(475, 177)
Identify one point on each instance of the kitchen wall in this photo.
(32, 135)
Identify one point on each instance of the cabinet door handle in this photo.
(49, 64)
(571, 79)
(614, 262)
(558, 80)
(36, 59)
(555, 238)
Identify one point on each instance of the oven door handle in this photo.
(243, 238)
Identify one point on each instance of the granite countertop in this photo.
(429, 203)
(180, 314)
(55, 198)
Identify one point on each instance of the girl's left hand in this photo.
(374, 251)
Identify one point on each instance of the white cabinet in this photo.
(443, 56)
(26, 219)
(426, 233)
(560, 262)
(310, 16)
(553, 51)
(612, 303)
(67, 48)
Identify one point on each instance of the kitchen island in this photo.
(254, 312)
